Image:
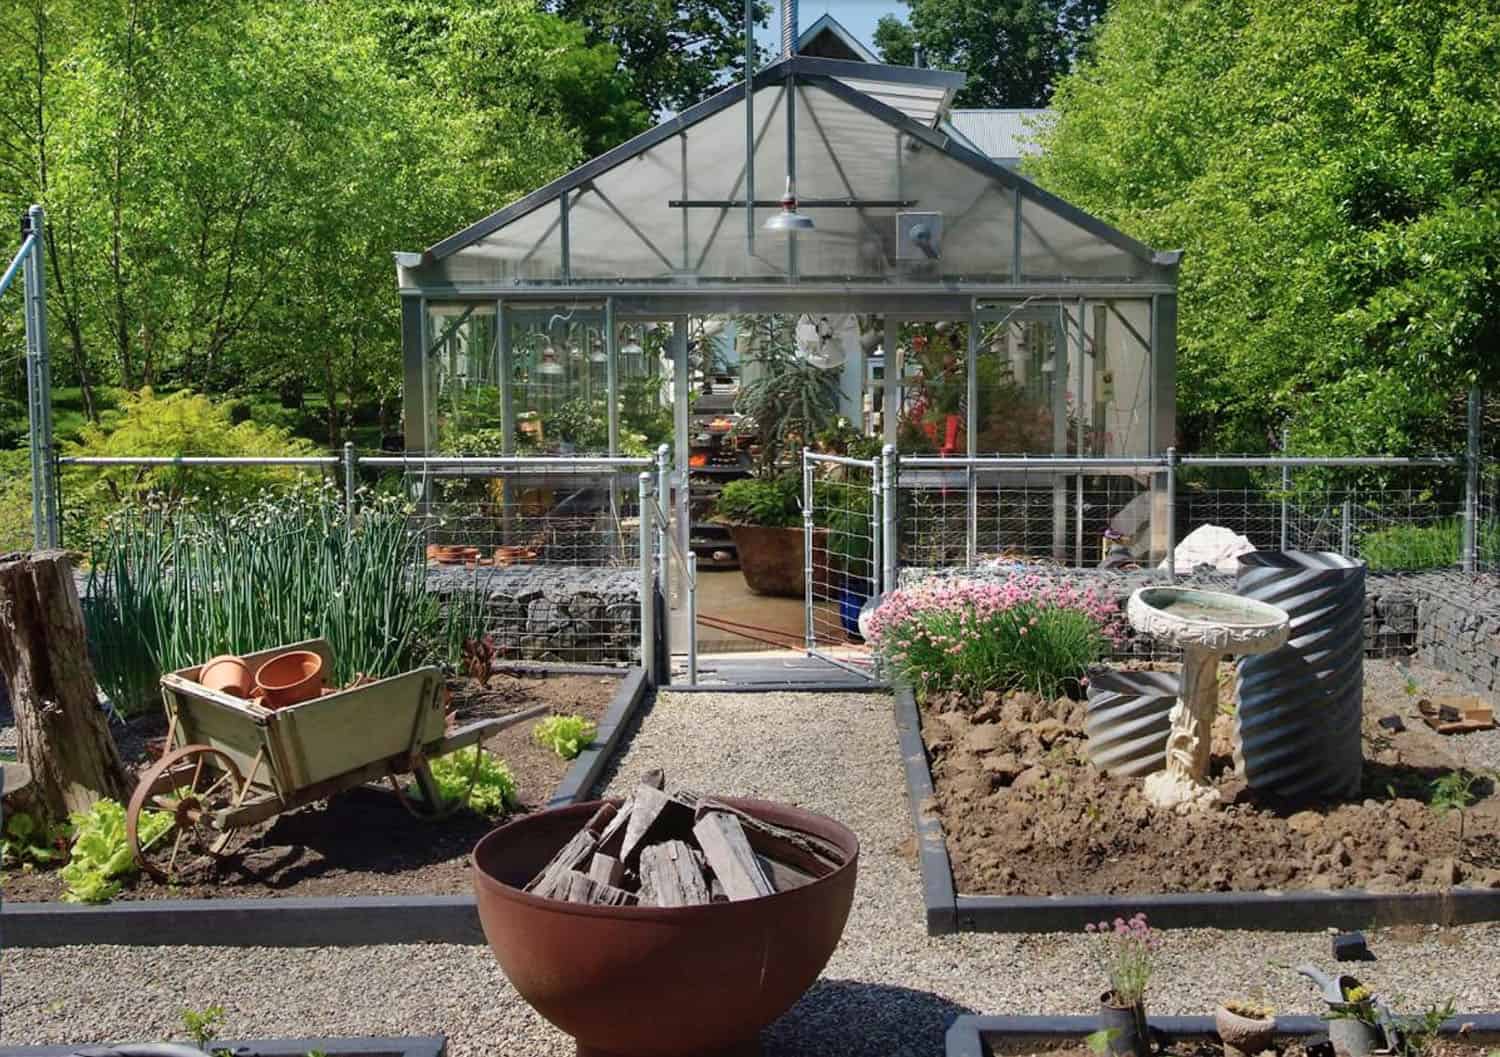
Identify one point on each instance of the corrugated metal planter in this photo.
(1129, 717)
(1299, 708)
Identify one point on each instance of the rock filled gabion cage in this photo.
(1298, 708)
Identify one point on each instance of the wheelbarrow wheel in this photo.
(170, 822)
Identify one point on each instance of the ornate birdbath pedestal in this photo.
(1205, 625)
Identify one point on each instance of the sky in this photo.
(858, 16)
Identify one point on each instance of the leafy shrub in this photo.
(100, 856)
(774, 502)
(1024, 633)
(494, 788)
(182, 423)
(1432, 546)
(565, 735)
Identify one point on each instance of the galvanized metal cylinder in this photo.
(1129, 717)
(1298, 708)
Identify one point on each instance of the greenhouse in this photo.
(963, 310)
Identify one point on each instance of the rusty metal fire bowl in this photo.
(659, 981)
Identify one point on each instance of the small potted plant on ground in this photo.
(1245, 1027)
(1125, 950)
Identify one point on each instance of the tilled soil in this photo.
(364, 841)
(1026, 814)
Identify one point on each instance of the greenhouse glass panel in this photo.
(559, 378)
(1053, 247)
(462, 379)
(1114, 402)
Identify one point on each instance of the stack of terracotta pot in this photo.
(287, 679)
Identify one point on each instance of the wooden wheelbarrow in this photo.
(231, 763)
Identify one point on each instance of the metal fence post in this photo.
(890, 468)
(877, 516)
(1344, 528)
(1286, 489)
(648, 584)
(1471, 483)
(807, 554)
(1171, 515)
(692, 617)
(663, 525)
(971, 530)
(349, 466)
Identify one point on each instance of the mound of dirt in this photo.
(1025, 813)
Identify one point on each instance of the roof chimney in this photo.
(788, 28)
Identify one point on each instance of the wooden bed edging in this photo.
(1292, 910)
(301, 921)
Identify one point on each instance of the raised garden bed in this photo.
(1031, 836)
(976, 1036)
(393, 879)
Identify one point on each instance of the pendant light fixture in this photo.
(789, 219)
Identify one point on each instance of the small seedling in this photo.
(565, 735)
(1098, 1041)
(203, 1025)
(1418, 1033)
(1411, 686)
(1455, 792)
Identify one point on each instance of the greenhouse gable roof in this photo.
(668, 206)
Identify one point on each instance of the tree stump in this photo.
(63, 735)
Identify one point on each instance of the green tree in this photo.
(1012, 51)
(676, 52)
(1333, 172)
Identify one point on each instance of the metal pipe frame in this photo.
(749, 129)
(663, 518)
(17, 262)
(1286, 491)
(201, 460)
(890, 472)
(563, 463)
(1471, 481)
(1171, 514)
(808, 631)
(648, 583)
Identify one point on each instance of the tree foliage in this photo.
(675, 52)
(1013, 51)
(225, 180)
(1333, 172)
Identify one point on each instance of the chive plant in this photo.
(169, 589)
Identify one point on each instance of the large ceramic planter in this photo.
(773, 559)
(657, 981)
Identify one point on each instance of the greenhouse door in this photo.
(842, 556)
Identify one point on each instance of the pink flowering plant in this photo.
(1022, 633)
(1125, 951)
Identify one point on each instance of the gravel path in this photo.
(889, 990)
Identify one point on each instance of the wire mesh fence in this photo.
(842, 530)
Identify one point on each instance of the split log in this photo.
(783, 878)
(576, 887)
(802, 852)
(63, 735)
(613, 837)
(656, 778)
(722, 838)
(656, 816)
(606, 869)
(573, 855)
(670, 876)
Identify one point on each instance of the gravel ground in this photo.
(889, 989)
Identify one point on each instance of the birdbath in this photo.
(1205, 625)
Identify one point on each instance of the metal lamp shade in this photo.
(790, 220)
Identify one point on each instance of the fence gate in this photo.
(842, 555)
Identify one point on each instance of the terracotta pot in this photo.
(1247, 1035)
(655, 981)
(290, 678)
(773, 561)
(227, 674)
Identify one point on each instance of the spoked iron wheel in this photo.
(188, 786)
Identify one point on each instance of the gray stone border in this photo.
(372, 1046)
(302, 921)
(1285, 911)
(976, 1036)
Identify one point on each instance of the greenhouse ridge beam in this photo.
(802, 203)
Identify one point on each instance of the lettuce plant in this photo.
(100, 856)
(565, 735)
(494, 787)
